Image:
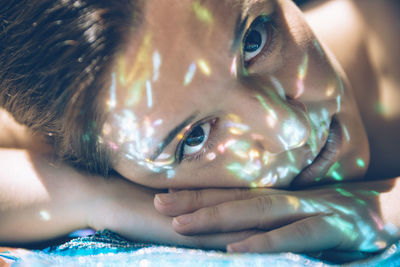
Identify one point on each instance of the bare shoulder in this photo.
(382, 38)
(364, 37)
(14, 135)
(339, 25)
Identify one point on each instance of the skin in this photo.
(346, 217)
(37, 207)
(270, 115)
(340, 218)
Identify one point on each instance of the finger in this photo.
(186, 201)
(311, 234)
(262, 212)
(216, 241)
(171, 190)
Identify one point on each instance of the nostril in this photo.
(260, 145)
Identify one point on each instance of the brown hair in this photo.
(54, 58)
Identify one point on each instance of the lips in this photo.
(325, 159)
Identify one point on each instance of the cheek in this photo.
(309, 77)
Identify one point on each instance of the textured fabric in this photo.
(108, 249)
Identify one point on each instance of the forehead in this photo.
(184, 31)
(195, 19)
(180, 25)
(173, 39)
(204, 10)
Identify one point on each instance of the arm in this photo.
(36, 197)
(39, 200)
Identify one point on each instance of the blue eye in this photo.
(256, 38)
(196, 139)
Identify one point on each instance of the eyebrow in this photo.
(172, 134)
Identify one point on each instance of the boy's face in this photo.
(229, 93)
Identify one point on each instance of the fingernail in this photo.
(182, 220)
(166, 199)
(237, 247)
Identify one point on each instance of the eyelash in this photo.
(207, 146)
(269, 46)
(267, 50)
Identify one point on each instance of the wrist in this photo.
(114, 199)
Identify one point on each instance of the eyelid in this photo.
(179, 150)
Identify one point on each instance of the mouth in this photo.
(325, 158)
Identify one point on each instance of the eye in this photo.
(255, 39)
(196, 139)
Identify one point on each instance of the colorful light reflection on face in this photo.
(263, 123)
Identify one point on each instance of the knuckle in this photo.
(303, 229)
(242, 194)
(267, 243)
(214, 212)
(264, 204)
(191, 198)
(184, 194)
(343, 240)
(211, 220)
(197, 198)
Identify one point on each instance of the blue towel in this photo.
(105, 248)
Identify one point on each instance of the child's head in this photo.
(203, 93)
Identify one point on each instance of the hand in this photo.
(127, 209)
(340, 217)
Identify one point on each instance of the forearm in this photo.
(39, 200)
